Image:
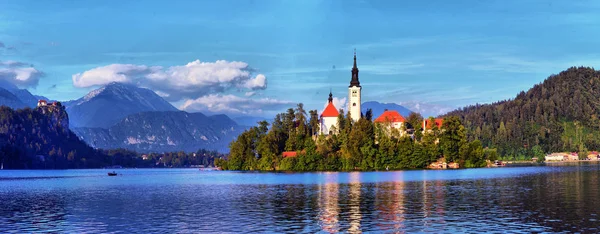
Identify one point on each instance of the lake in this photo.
(524, 199)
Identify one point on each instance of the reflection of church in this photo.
(329, 117)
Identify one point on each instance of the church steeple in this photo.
(354, 81)
(330, 97)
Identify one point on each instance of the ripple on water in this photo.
(544, 199)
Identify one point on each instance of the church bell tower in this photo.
(354, 93)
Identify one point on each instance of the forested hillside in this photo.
(559, 114)
(40, 138)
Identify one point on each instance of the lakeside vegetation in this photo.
(560, 114)
(361, 145)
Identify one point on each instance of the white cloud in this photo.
(19, 73)
(250, 94)
(427, 109)
(231, 104)
(339, 103)
(190, 81)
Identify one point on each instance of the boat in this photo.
(112, 173)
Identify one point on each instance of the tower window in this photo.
(354, 104)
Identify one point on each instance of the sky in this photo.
(261, 57)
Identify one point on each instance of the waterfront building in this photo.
(391, 119)
(328, 120)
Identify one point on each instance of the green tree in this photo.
(538, 152)
(453, 138)
(414, 121)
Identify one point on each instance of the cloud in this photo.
(250, 94)
(19, 73)
(1, 45)
(427, 109)
(190, 81)
(339, 103)
(231, 104)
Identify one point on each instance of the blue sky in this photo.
(436, 55)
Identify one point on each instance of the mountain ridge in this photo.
(119, 99)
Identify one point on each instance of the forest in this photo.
(40, 139)
(561, 114)
(361, 145)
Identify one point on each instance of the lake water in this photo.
(523, 199)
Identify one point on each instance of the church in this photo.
(328, 119)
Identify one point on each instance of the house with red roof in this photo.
(392, 119)
(289, 154)
(428, 125)
(329, 118)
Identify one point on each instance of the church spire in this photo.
(354, 81)
(330, 96)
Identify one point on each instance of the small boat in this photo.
(112, 174)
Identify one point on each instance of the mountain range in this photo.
(164, 131)
(118, 99)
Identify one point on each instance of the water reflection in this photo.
(329, 209)
(551, 199)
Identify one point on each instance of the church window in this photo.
(354, 104)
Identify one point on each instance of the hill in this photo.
(378, 108)
(40, 138)
(559, 114)
(108, 105)
(165, 131)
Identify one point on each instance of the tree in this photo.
(452, 138)
(538, 153)
(314, 122)
(414, 121)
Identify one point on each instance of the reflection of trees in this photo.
(390, 205)
(561, 201)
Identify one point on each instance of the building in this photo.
(329, 118)
(428, 125)
(391, 119)
(593, 156)
(354, 93)
(42, 103)
(556, 157)
(573, 156)
(289, 154)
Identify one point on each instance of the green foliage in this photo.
(560, 114)
(360, 145)
(453, 138)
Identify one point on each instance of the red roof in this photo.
(289, 154)
(44, 101)
(438, 123)
(330, 111)
(390, 116)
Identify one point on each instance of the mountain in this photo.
(378, 108)
(23, 95)
(8, 99)
(108, 105)
(560, 114)
(165, 131)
